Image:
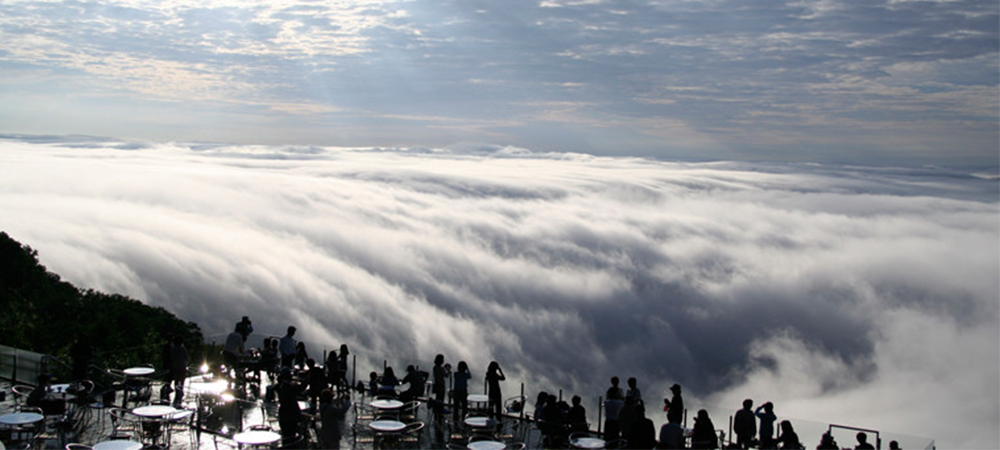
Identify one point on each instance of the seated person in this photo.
(417, 380)
(387, 383)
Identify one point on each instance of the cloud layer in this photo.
(833, 80)
(846, 294)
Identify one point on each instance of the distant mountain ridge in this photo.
(44, 314)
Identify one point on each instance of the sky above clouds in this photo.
(845, 294)
(857, 81)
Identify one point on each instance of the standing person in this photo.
(178, 368)
(745, 425)
(460, 395)
(494, 375)
(332, 413)
(287, 348)
(440, 386)
(342, 368)
(245, 327)
(289, 414)
(612, 409)
(767, 419)
(675, 411)
(300, 355)
(633, 391)
(233, 352)
(577, 416)
(614, 388)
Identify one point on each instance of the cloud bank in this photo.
(857, 295)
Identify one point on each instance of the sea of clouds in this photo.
(865, 296)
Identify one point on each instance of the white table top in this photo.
(386, 404)
(58, 388)
(479, 422)
(486, 445)
(139, 371)
(391, 426)
(21, 418)
(118, 445)
(154, 411)
(478, 398)
(588, 442)
(257, 437)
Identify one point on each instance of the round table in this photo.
(21, 418)
(387, 426)
(118, 445)
(588, 442)
(386, 404)
(479, 421)
(257, 437)
(154, 411)
(478, 398)
(139, 371)
(486, 445)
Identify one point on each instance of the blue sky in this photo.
(856, 81)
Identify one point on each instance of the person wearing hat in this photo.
(675, 411)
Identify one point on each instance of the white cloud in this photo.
(836, 291)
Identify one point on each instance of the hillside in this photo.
(42, 313)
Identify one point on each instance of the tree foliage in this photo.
(44, 314)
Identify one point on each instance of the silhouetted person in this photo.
(178, 361)
(625, 418)
(287, 348)
(233, 352)
(767, 419)
(387, 382)
(577, 416)
(301, 355)
(332, 412)
(289, 414)
(341, 373)
(416, 379)
(827, 442)
(893, 445)
(745, 425)
(244, 327)
(315, 382)
(494, 375)
(460, 391)
(633, 390)
(643, 433)
(703, 435)
(675, 411)
(614, 387)
(83, 356)
(612, 409)
(373, 383)
(788, 439)
(440, 385)
(863, 442)
(671, 436)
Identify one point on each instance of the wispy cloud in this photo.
(836, 291)
(218, 68)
